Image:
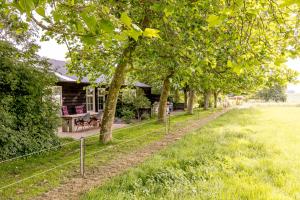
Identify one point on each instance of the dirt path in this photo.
(77, 186)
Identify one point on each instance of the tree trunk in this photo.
(163, 100)
(191, 102)
(206, 99)
(216, 99)
(185, 91)
(176, 96)
(113, 93)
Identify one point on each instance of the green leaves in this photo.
(279, 61)
(133, 33)
(90, 21)
(126, 19)
(41, 11)
(214, 20)
(290, 2)
(106, 26)
(229, 63)
(151, 33)
(27, 5)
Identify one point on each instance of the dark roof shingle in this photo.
(59, 68)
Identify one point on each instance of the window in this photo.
(90, 99)
(101, 98)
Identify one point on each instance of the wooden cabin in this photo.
(70, 92)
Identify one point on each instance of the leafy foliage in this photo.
(210, 46)
(28, 117)
(275, 93)
(127, 114)
(136, 101)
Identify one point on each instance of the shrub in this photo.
(127, 114)
(145, 116)
(28, 118)
(136, 101)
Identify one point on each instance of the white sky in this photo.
(51, 49)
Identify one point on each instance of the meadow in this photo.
(251, 153)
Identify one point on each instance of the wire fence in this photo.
(165, 128)
(38, 152)
(73, 142)
(77, 159)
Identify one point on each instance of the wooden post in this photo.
(169, 124)
(82, 155)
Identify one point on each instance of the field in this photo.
(293, 98)
(249, 153)
(97, 155)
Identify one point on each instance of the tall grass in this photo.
(246, 154)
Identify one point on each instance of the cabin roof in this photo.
(61, 72)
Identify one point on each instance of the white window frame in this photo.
(90, 95)
(101, 93)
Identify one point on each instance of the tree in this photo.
(274, 93)
(216, 36)
(100, 37)
(28, 116)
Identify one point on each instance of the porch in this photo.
(89, 131)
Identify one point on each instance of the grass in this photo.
(245, 154)
(97, 155)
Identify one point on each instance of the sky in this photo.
(51, 49)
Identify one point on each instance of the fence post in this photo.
(169, 122)
(82, 155)
(166, 127)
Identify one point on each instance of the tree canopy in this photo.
(205, 46)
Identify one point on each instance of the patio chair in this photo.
(86, 119)
(65, 110)
(79, 109)
(97, 118)
(79, 123)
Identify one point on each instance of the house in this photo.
(70, 92)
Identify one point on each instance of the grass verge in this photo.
(97, 155)
(245, 154)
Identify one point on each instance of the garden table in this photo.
(68, 124)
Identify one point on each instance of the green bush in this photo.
(273, 93)
(145, 116)
(135, 100)
(28, 118)
(127, 114)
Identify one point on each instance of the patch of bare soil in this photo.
(75, 187)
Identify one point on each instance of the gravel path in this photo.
(75, 187)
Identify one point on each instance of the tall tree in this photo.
(100, 36)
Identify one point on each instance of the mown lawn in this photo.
(97, 155)
(245, 154)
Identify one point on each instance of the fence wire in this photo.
(66, 163)
(77, 159)
(37, 152)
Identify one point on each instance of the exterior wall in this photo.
(178, 106)
(73, 94)
(147, 92)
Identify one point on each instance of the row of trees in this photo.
(207, 47)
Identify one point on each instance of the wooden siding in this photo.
(73, 94)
